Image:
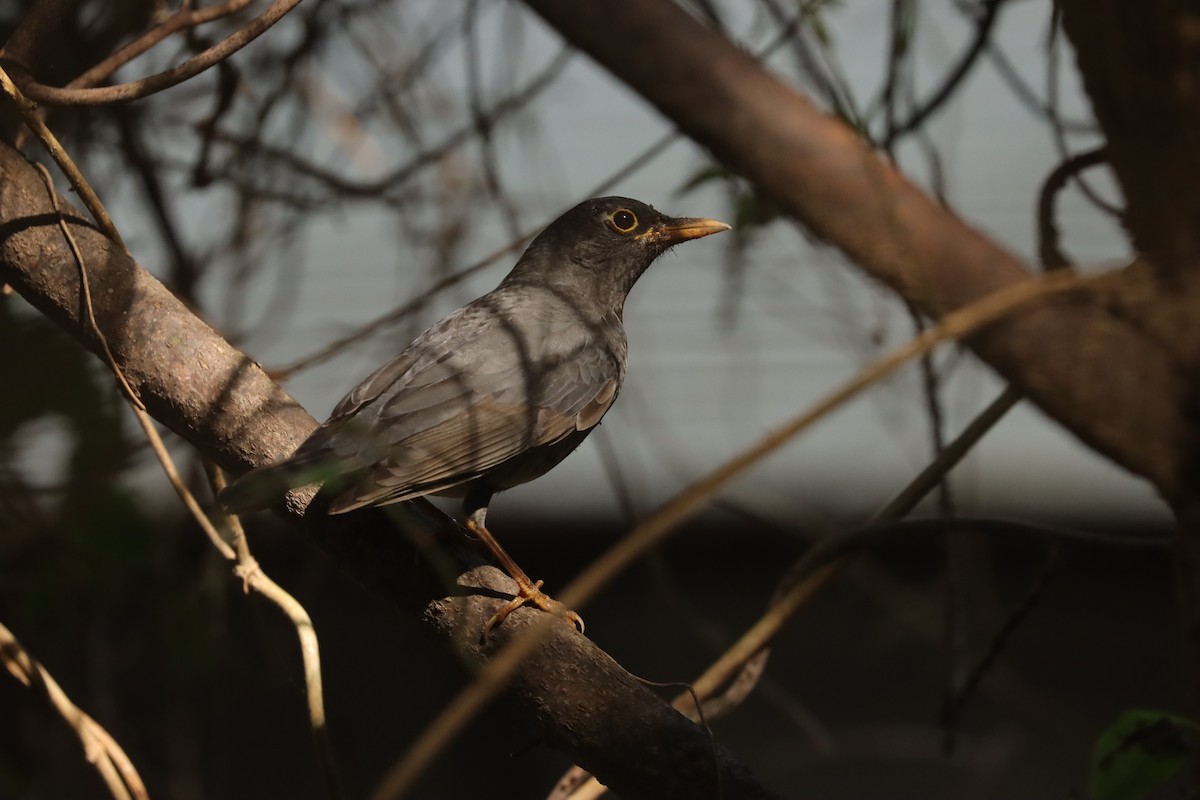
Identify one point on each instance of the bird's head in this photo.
(599, 248)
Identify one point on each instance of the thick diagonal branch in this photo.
(204, 389)
(1097, 373)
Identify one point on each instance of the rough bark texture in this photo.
(1120, 372)
(204, 389)
(593, 709)
(173, 358)
(1064, 355)
(1141, 68)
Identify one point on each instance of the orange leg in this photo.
(528, 591)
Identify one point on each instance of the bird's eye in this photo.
(623, 220)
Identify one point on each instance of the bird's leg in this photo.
(528, 591)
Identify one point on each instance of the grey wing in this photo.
(458, 412)
(332, 449)
(373, 385)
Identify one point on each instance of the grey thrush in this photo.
(498, 392)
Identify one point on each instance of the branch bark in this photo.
(1140, 64)
(1062, 355)
(143, 87)
(1119, 373)
(204, 389)
(1141, 69)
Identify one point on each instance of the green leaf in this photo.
(1139, 753)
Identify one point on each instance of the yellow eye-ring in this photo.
(624, 220)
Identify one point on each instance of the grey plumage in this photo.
(498, 392)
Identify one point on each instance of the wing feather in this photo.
(478, 390)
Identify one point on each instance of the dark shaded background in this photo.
(111, 587)
(202, 686)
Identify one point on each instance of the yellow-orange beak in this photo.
(672, 231)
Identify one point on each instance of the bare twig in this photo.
(151, 84)
(793, 594)
(494, 676)
(830, 557)
(85, 285)
(957, 698)
(29, 113)
(246, 566)
(100, 749)
(755, 642)
(1049, 249)
(186, 17)
(420, 301)
(983, 29)
(388, 183)
(253, 577)
(955, 325)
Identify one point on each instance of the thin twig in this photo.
(830, 557)
(396, 177)
(957, 699)
(793, 594)
(954, 325)
(949, 456)
(86, 288)
(1027, 97)
(186, 17)
(1049, 248)
(253, 577)
(494, 676)
(29, 113)
(983, 29)
(144, 87)
(246, 567)
(395, 316)
(100, 749)
(1056, 124)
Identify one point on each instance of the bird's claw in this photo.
(532, 594)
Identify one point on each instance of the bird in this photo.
(496, 393)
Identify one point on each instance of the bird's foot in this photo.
(532, 594)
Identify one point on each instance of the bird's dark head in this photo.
(599, 248)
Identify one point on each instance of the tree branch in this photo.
(1060, 355)
(151, 84)
(1139, 64)
(1140, 67)
(197, 384)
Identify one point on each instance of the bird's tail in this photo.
(263, 487)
